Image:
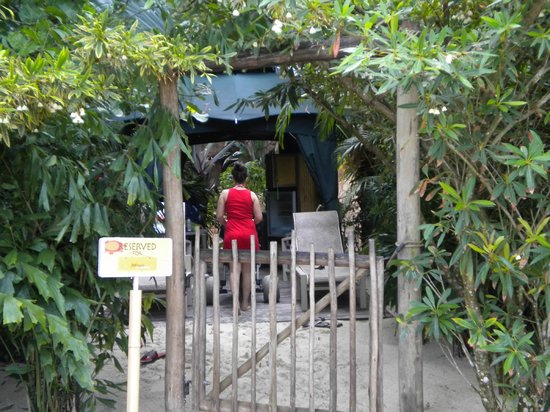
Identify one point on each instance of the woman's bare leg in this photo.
(245, 286)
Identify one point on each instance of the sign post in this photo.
(134, 257)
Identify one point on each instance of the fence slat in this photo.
(253, 315)
(216, 323)
(235, 285)
(202, 329)
(195, 360)
(273, 324)
(333, 331)
(374, 332)
(380, 319)
(352, 324)
(311, 328)
(293, 321)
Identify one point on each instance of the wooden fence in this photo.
(357, 264)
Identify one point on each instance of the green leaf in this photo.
(11, 310)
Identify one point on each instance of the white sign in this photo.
(134, 257)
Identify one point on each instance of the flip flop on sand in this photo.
(152, 356)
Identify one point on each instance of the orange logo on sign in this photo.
(113, 246)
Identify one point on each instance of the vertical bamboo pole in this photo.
(253, 331)
(202, 328)
(352, 324)
(379, 321)
(216, 375)
(174, 375)
(311, 327)
(235, 285)
(374, 332)
(333, 331)
(408, 235)
(273, 324)
(293, 321)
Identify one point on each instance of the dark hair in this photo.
(239, 173)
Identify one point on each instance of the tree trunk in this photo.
(174, 377)
(408, 236)
(483, 363)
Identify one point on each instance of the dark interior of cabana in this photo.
(300, 177)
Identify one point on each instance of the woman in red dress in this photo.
(240, 211)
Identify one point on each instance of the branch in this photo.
(372, 101)
(533, 13)
(304, 53)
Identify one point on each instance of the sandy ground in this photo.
(444, 387)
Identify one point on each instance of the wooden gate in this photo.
(207, 389)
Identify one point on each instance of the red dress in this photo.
(240, 219)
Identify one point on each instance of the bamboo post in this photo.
(408, 235)
(333, 332)
(202, 328)
(373, 323)
(216, 323)
(134, 345)
(235, 284)
(273, 325)
(195, 356)
(311, 327)
(253, 331)
(352, 324)
(293, 321)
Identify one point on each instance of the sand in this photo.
(445, 389)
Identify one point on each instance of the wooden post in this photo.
(293, 321)
(235, 285)
(352, 324)
(273, 325)
(216, 323)
(408, 237)
(333, 362)
(311, 327)
(174, 375)
(253, 331)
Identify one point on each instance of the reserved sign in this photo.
(134, 256)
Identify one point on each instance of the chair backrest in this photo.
(320, 228)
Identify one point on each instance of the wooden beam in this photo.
(304, 53)
(285, 258)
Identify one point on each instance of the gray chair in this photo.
(322, 229)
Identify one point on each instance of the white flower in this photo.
(23, 108)
(54, 107)
(81, 112)
(236, 13)
(314, 30)
(443, 109)
(255, 44)
(518, 257)
(40, 105)
(434, 111)
(449, 58)
(4, 120)
(485, 379)
(277, 26)
(288, 15)
(76, 117)
(124, 58)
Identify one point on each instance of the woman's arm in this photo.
(220, 210)
(257, 209)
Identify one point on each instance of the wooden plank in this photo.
(253, 315)
(273, 325)
(285, 333)
(226, 406)
(195, 388)
(333, 378)
(408, 235)
(311, 329)
(352, 324)
(235, 285)
(293, 321)
(216, 323)
(374, 332)
(284, 258)
(202, 328)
